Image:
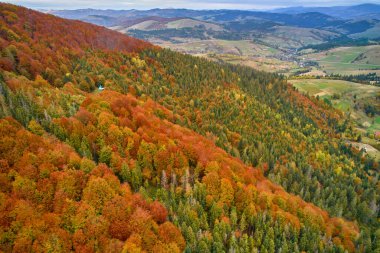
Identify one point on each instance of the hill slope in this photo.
(177, 129)
(157, 23)
(61, 202)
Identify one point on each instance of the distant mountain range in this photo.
(299, 25)
(344, 12)
(341, 12)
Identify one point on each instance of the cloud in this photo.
(191, 4)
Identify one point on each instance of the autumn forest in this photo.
(176, 154)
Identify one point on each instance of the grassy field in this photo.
(352, 97)
(348, 60)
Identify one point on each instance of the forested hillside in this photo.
(52, 200)
(176, 154)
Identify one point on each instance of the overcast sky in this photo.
(191, 4)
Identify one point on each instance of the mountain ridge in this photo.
(353, 11)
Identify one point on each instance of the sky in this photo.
(190, 4)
